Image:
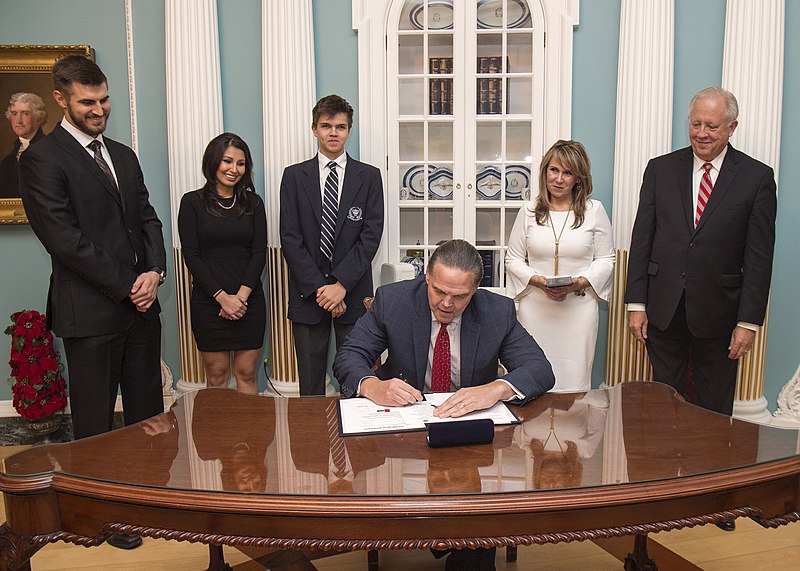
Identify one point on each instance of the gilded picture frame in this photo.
(26, 68)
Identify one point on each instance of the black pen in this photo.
(402, 377)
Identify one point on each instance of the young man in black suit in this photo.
(331, 223)
(87, 203)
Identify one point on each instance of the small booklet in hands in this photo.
(558, 281)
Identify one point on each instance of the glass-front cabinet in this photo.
(468, 97)
(464, 90)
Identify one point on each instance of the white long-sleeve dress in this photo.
(565, 330)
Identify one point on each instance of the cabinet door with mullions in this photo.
(464, 102)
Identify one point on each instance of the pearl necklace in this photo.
(227, 207)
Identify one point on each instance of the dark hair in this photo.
(331, 105)
(572, 156)
(212, 157)
(459, 255)
(78, 69)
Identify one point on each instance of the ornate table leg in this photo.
(639, 560)
(216, 559)
(15, 551)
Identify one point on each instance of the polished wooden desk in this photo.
(224, 468)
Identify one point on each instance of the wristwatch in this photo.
(162, 275)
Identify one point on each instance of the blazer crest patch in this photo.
(355, 214)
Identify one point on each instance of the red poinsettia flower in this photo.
(38, 388)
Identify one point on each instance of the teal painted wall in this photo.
(594, 102)
(26, 265)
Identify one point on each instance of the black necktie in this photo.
(101, 162)
(330, 205)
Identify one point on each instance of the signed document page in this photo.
(360, 415)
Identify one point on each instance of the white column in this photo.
(752, 69)
(194, 117)
(643, 131)
(289, 94)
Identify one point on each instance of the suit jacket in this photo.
(99, 239)
(9, 168)
(400, 321)
(724, 265)
(359, 225)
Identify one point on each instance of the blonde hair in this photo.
(572, 156)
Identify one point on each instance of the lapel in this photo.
(421, 334)
(470, 333)
(82, 158)
(310, 184)
(350, 186)
(727, 173)
(685, 190)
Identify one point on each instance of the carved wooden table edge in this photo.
(422, 505)
(400, 544)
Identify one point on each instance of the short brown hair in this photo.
(77, 69)
(331, 105)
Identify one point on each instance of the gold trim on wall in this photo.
(626, 358)
(34, 61)
(283, 362)
(192, 370)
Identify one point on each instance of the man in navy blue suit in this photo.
(329, 251)
(406, 318)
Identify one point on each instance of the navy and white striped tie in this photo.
(330, 206)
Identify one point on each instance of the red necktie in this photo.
(440, 371)
(704, 193)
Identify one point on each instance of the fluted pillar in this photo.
(194, 116)
(752, 69)
(289, 94)
(643, 131)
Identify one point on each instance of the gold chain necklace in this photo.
(557, 239)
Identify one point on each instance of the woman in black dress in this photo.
(223, 231)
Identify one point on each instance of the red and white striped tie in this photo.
(706, 186)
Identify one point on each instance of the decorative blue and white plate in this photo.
(488, 183)
(490, 13)
(414, 183)
(518, 182)
(440, 184)
(440, 15)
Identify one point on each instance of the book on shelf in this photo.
(488, 262)
(490, 89)
(441, 89)
(439, 65)
(441, 96)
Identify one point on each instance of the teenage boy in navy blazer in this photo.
(328, 240)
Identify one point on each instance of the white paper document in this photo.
(360, 415)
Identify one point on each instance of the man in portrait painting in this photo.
(26, 113)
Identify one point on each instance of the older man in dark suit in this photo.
(331, 224)
(701, 255)
(87, 203)
(443, 334)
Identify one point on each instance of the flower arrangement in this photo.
(36, 381)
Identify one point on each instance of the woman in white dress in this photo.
(562, 232)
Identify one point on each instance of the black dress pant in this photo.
(714, 372)
(311, 343)
(100, 365)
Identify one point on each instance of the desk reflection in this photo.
(235, 429)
